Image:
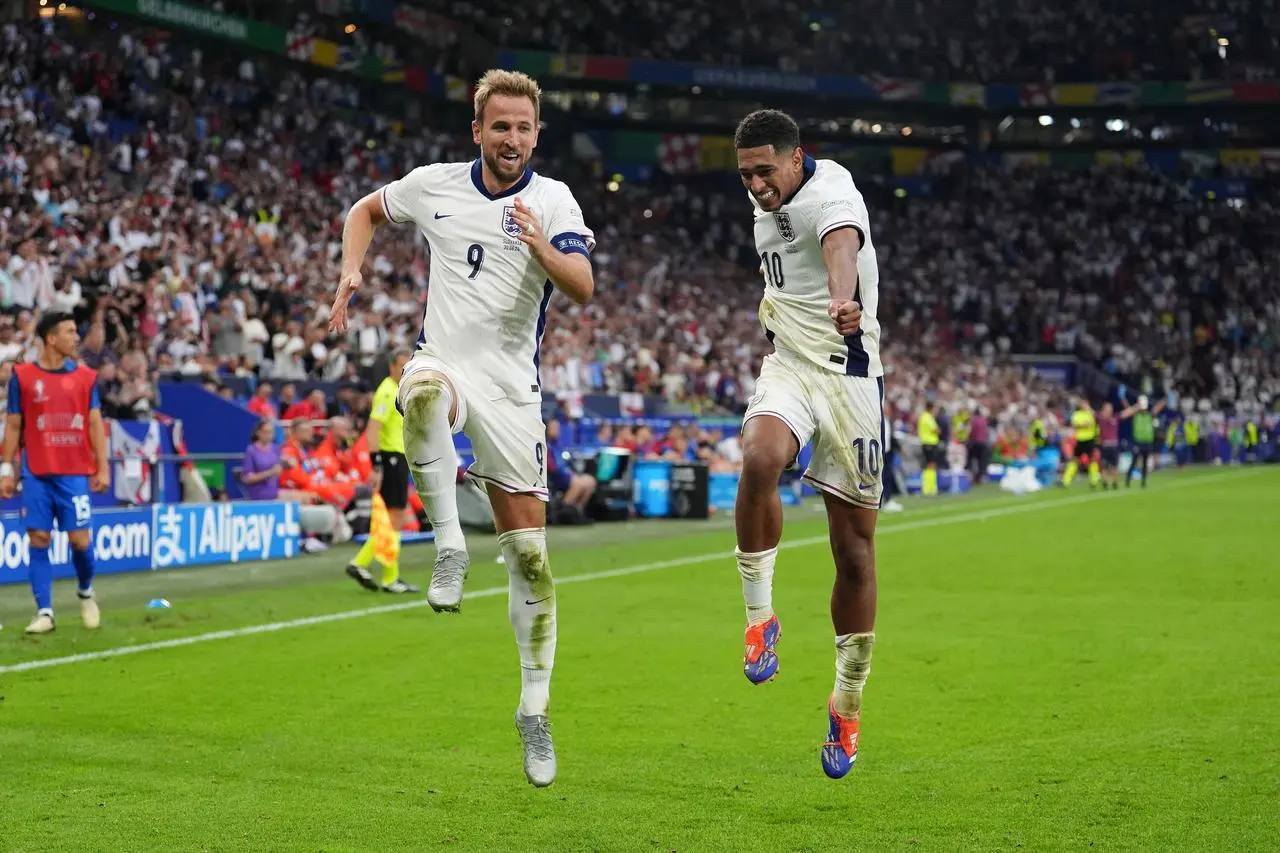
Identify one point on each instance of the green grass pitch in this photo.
(1066, 671)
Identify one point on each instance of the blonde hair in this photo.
(514, 84)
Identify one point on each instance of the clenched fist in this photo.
(846, 315)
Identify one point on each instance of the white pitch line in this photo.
(641, 568)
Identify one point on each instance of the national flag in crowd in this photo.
(680, 153)
(895, 89)
(299, 46)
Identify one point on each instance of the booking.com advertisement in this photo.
(163, 536)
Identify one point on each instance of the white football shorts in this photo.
(844, 415)
(508, 436)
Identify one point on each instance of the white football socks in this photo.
(757, 583)
(531, 604)
(853, 665)
(428, 442)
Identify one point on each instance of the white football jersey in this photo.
(796, 294)
(487, 297)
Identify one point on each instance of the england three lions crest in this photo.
(785, 231)
(510, 226)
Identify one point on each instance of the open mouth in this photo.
(767, 197)
(511, 158)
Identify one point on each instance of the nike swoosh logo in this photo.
(443, 215)
(425, 464)
(539, 601)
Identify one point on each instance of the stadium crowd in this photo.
(932, 40)
(187, 206)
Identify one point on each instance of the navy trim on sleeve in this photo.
(386, 208)
(571, 243)
(840, 226)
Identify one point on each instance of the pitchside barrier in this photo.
(163, 536)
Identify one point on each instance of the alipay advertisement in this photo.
(163, 536)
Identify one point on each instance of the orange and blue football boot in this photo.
(841, 748)
(760, 663)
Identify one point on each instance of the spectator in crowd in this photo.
(260, 476)
(572, 490)
(722, 455)
(288, 396)
(262, 465)
(337, 456)
(313, 407)
(304, 472)
(979, 443)
(136, 396)
(260, 403)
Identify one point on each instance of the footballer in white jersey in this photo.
(824, 384)
(794, 311)
(502, 240)
(806, 381)
(488, 297)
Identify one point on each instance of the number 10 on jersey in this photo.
(869, 456)
(771, 263)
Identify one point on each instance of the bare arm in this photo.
(571, 274)
(98, 438)
(12, 436)
(840, 251)
(363, 219)
(98, 441)
(373, 432)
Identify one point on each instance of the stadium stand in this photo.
(163, 192)
(931, 40)
(920, 39)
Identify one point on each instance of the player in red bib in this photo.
(56, 416)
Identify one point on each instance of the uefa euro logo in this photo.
(509, 225)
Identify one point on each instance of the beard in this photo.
(504, 171)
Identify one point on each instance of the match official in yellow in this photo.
(391, 481)
(931, 445)
(1084, 424)
(1038, 435)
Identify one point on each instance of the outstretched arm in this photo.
(363, 219)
